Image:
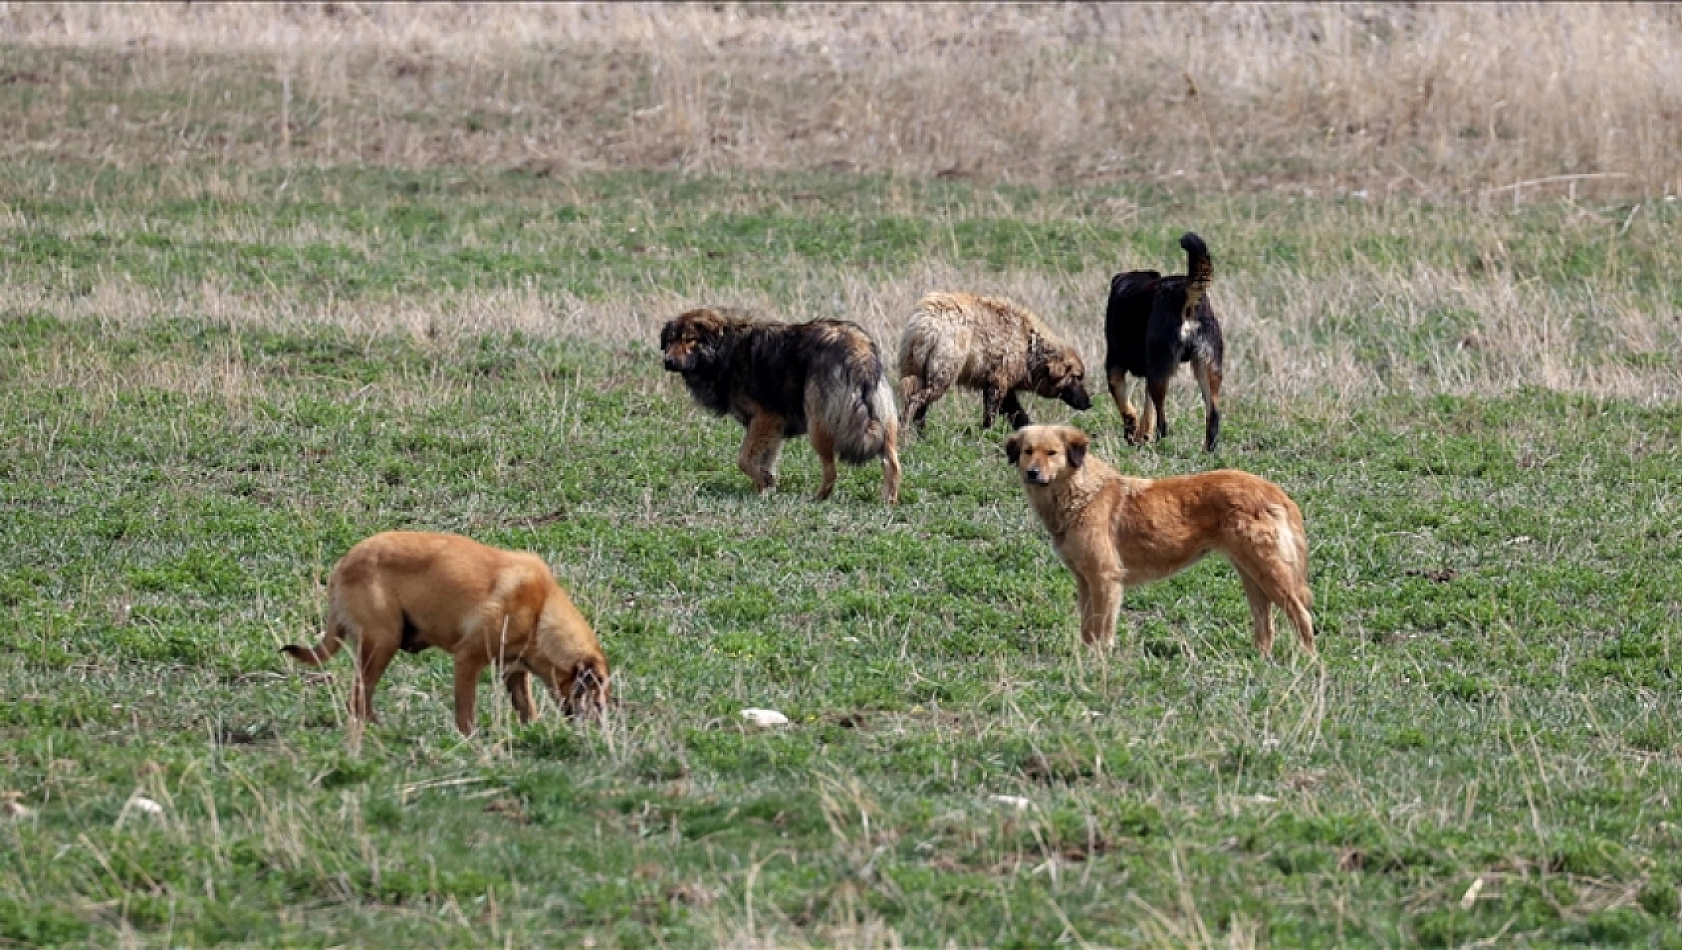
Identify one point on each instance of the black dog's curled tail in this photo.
(1199, 271)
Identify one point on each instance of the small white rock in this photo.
(1015, 801)
(765, 717)
(145, 805)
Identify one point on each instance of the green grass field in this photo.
(196, 425)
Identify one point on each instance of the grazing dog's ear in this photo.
(1013, 448)
(1076, 442)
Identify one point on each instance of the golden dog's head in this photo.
(687, 339)
(1044, 454)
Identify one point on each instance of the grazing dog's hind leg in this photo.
(919, 396)
(1209, 384)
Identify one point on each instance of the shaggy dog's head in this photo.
(688, 339)
(1056, 372)
(1044, 454)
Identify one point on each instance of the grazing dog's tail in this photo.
(856, 403)
(1199, 271)
(322, 652)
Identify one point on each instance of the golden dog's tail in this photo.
(1199, 271)
(852, 397)
(322, 652)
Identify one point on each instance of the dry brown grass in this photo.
(1442, 99)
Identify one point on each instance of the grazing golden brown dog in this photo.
(985, 343)
(406, 590)
(1114, 531)
(781, 380)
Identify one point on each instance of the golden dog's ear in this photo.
(1013, 448)
(1075, 442)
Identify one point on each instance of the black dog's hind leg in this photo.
(1209, 383)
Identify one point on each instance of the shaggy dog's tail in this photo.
(853, 399)
(329, 645)
(1199, 271)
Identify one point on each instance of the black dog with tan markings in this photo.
(782, 380)
(1152, 325)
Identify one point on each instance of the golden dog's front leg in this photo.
(468, 669)
(1102, 607)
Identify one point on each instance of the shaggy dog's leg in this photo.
(1209, 384)
(823, 442)
(758, 458)
(890, 468)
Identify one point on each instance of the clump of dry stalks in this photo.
(1435, 98)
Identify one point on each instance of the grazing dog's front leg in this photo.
(1012, 408)
(991, 398)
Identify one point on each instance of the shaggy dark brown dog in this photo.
(1155, 323)
(1116, 532)
(781, 380)
(410, 590)
(985, 343)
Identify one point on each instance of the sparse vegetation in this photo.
(240, 331)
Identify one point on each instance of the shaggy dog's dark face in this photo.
(1063, 377)
(688, 338)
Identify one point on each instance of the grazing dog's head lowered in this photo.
(1044, 454)
(1060, 374)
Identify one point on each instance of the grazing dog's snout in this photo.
(1077, 398)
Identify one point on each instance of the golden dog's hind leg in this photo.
(823, 442)
(758, 458)
(519, 693)
(468, 669)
